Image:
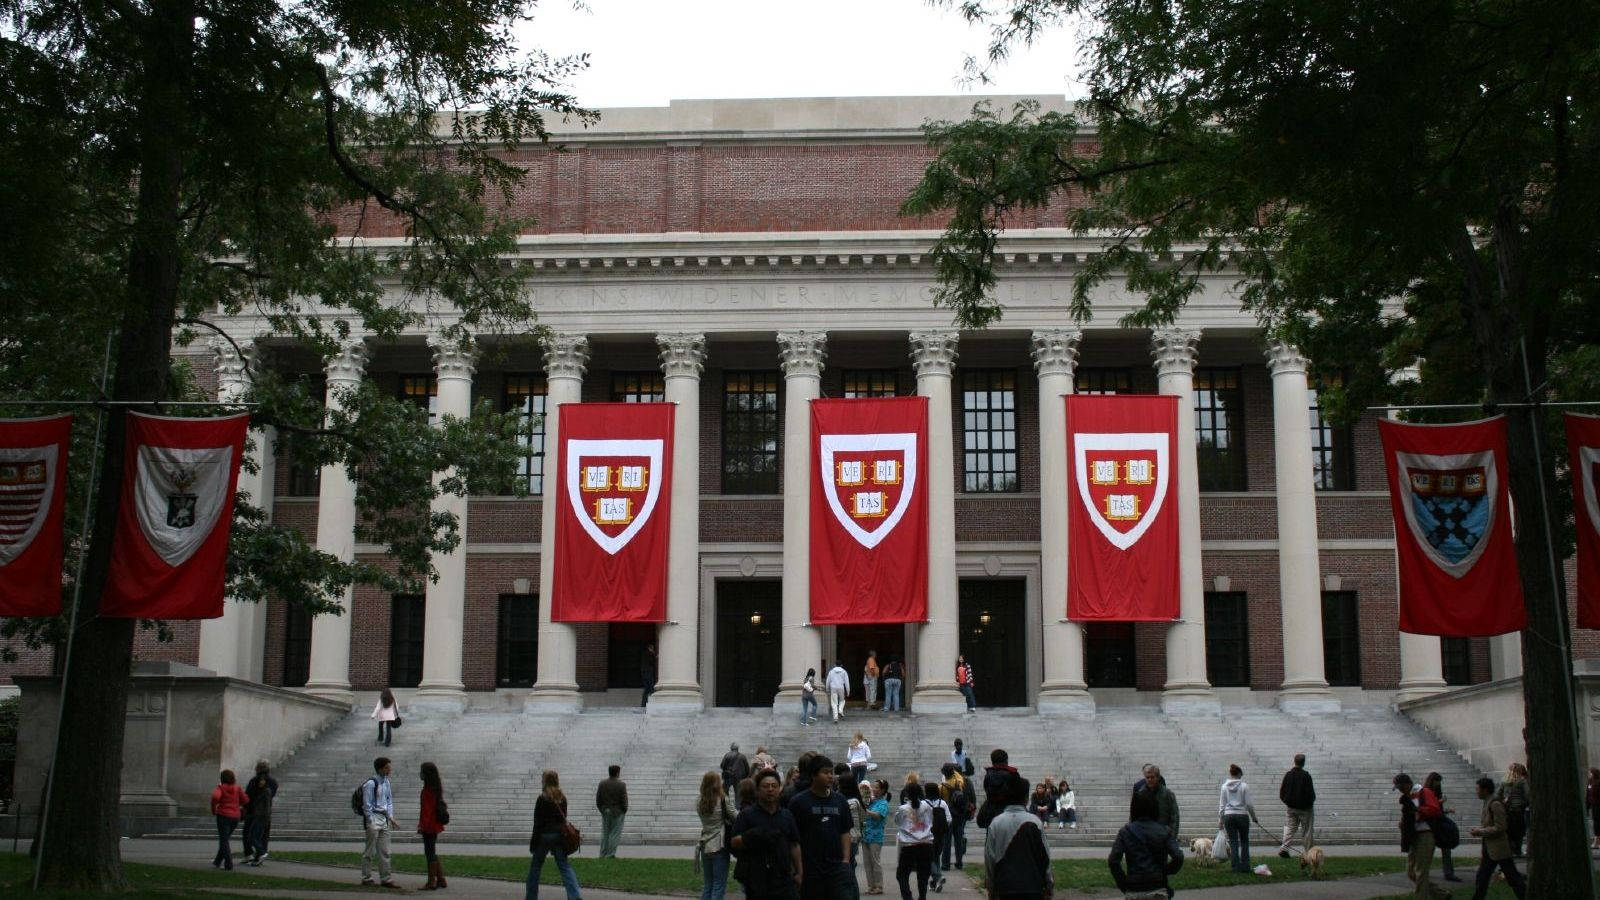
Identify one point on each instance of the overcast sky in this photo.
(647, 52)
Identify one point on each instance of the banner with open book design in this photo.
(613, 512)
(869, 510)
(1122, 508)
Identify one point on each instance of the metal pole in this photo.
(72, 627)
(1480, 406)
(119, 403)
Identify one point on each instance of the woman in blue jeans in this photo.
(893, 676)
(808, 697)
(549, 814)
(711, 850)
(1236, 811)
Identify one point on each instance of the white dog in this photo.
(1201, 849)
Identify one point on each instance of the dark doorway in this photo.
(406, 618)
(1108, 650)
(625, 653)
(853, 642)
(296, 645)
(994, 638)
(517, 641)
(749, 642)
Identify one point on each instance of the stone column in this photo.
(1188, 689)
(801, 354)
(1305, 682)
(1505, 655)
(444, 610)
(1055, 357)
(556, 690)
(233, 645)
(933, 353)
(336, 535)
(683, 356)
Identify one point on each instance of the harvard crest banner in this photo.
(33, 489)
(1122, 508)
(1583, 450)
(171, 548)
(1449, 490)
(869, 510)
(613, 512)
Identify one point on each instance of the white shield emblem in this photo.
(1589, 459)
(875, 474)
(613, 487)
(27, 488)
(1449, 501)
(1122, 481)
(179, 496)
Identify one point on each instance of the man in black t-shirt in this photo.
(823, 817)
(767, 844)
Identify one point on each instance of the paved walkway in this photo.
(196, 854)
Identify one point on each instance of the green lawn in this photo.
(148, 881)
(1088, 875)
(638, 876)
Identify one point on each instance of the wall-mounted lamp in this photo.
(755, 618)
(983, 618)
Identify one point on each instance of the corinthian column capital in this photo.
(1284, 358)
(683, 353)
(566, 355)
(801, 353)
(934, 352)
(454, 357)
(234, 364)
(1055, 351)
(1175, 350)
(347, 364)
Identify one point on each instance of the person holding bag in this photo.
(430, 824)
(549, 837)
(715, 808)
(808, 698)
(387, 712)
(1446, 834)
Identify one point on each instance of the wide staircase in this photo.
(492, 763)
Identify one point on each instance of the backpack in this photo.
(441, 812)
(1446, 834)
(358, 802)
(941, 820)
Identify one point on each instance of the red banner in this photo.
(1452, 528)
(171, 548)
(613, 512)
(33, 491)
(1122, 508)
(869, 510)
(1583, 450)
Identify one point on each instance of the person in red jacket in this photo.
(429, 826)
(1419, 809)
(227, 804)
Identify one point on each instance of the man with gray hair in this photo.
(1166, 801)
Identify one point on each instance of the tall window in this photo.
(989, 430)
(421, 391)
(296, 646)
(871, 383)
(638, 387)
(750, 433)
(1219, 429)
(305, 479)
(1227, 639)
(1332, 462)
(405, 640)
(1341, 638)
(1102, 381)
(524, 397)
(1457, 653)
(517, 647)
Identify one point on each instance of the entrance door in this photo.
(1109, 660)
(852, 643)
(994, 638)
(749, 642)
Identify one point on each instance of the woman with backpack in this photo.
(934, 796)
(711, 850)
(430, 824)
(227, 804)
(914, 821)
(808, 698)
(958, 794)
(1435, 782)
(549, 819)
(387, 712)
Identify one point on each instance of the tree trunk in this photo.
(81, 843)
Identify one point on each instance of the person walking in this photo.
(822, 816)
(964, 682)
(994, 785)
(1514, 791)
(387, 712)
(1016, 863)
(647, 673)
(808, 698)
(549, 815)
(869, 679)
(914, 839)
(258, 813)
(933, 794)
(227, 804)
(860, 757)
(893, 677)
(1419, 808)
(838, 690)
(763, 760)
(711, 853)
(1435, 782)
(611, 798)
(1150, 849)
(1234, 815)
(874, 816)
(1166, 801)
(1496, 852)
(958, 755)
(377, 808)
(767, 843)
(430, 824)
(958, 795)
(734, 767)
(1299, 796)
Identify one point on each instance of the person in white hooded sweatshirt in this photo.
(1235, 814)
